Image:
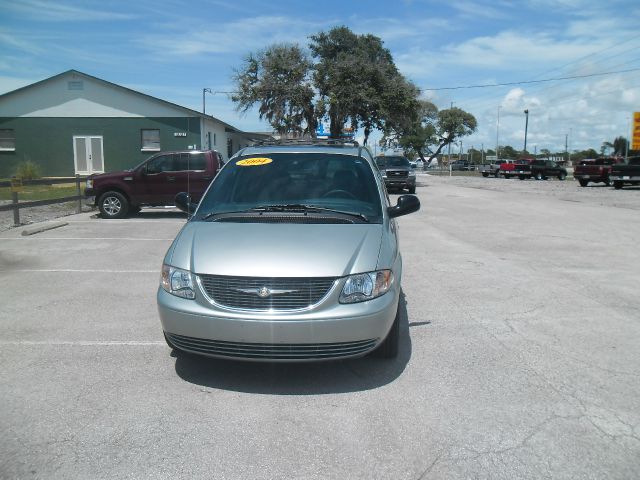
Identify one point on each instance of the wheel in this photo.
(113, 205)
(390, 346)
(608, 182)
(340, 194)
(485, 174)
(522, 177)
(617, 185)
(495, 175)
(562, 176)
(539, 176)
(507, 176)
(412, 189)
(583, 183)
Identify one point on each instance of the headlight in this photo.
(412, 173)
(177, 282)
(366, 286)
(89, 183)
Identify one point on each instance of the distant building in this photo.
(75, 123)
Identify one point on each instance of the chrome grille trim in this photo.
(278, 351)
(291, 294)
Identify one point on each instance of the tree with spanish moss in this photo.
(278, 79)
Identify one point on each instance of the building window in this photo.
(7, 140)
(215, 140)
(229, 148)
(150, 140)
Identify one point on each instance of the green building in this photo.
(75, 123)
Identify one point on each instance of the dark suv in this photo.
(397, 172)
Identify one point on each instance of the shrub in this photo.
(28, 170)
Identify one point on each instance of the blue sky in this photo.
(173, 49)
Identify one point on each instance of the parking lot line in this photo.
(81, 343)
(74, 270)
(92, 238)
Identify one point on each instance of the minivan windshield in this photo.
(344, 183)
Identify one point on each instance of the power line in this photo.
(528, 81)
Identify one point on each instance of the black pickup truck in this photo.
(543, 169)
(625, 173)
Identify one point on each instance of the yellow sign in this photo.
(635, 138)
(252, 162)
(16, 185)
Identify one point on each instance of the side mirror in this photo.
(406, 204)
(184, 203)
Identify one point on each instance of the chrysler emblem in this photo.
(264, 292)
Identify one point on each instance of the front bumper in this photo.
(404, 182)
(625, 178)
(329, 330)
(90, 197)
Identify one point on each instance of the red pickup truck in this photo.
(517, 168)
(154, 182)
(595, 170)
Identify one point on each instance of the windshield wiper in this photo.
(290, 207)
(303, 208)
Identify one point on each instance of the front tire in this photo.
(562, 176)
(390, 346)
(113, 205)
(539, 176)
(617, 185)
(485, 174)
(412, 190)
(583, 183)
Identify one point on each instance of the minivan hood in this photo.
(277, 250)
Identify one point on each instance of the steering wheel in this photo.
(339, 193)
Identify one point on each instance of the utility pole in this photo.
(482, 153)
(566, 149)
(204, 90)
(626, 143)
(526, 127)
(498, 135)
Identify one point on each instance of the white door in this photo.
(87, 155)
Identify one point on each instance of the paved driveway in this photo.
(520, 356)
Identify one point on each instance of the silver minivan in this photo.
(291, 255)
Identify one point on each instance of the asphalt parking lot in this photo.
(520, 354)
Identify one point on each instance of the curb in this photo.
(43, 228)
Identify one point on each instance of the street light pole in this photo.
(526, 127)
(205, 90)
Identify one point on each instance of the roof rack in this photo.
(309, 141)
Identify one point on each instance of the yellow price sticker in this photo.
(254, 162)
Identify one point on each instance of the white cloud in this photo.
(249, 33)
(59, 11)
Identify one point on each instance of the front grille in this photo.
(278, 293)
(398, 174)
(271, 351)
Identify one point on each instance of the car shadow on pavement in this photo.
(314, 378)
